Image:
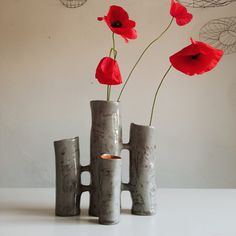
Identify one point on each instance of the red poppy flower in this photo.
(180, 13)
(108, 72)
(118, 21)
(197, 58)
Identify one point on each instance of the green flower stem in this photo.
(155, 97)
(140, 57)
(108, 92)
(114, 46)
(108, 97)
(112, 50)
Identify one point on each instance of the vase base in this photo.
(92, 213)
(143, 213)
(108, 222)
(67, 215)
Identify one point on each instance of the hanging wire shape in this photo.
(73, 3)
(205, 3)
(220, 33)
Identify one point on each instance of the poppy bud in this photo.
(180, 13)
(108, 72)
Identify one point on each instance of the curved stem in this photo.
(140, 57)
(155, 97)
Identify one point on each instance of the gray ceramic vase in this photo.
(105, 187)
(67, 177)
(109, 189)
(142, 169)
(105, 137)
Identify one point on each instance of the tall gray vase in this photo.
(105, 137)
(67, 177)
(142, 169)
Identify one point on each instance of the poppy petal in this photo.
(108, 72)
(197, 58)
(183, 20)
(117, 13)
(119, 23)
(180, 13)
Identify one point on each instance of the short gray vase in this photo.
(142, 184)
(109, 189)
(67, 177)
(105, 137)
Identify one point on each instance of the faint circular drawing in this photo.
(220, 33)
(73, 3)
(205, 3)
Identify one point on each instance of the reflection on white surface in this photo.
(181, 212)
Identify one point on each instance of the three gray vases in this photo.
(106, 138)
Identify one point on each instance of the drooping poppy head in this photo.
(118, 21)
(197, 58)
(180, 13)
(108, 72)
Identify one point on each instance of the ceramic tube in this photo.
(105, 137)
(142, 169)
(109, 189)
(67, 177)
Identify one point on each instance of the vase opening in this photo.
(109, 157)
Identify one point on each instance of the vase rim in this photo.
(143, 126)
(109, 157)
(67, 140)
(104, 101)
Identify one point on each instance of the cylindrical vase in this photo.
(142, 169)
(109, 167)
(67, 177)
(105, 137)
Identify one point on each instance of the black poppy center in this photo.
(196, 56)
(116, 24)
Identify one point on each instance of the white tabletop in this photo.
(181, 212)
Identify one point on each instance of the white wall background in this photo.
(48, 56)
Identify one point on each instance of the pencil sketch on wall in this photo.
(220, 33)
(73, 3)
(205, 3)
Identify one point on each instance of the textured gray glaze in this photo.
(142, 169)
(67, 177)
(105, 187)
(109, 190)
(106, 137)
